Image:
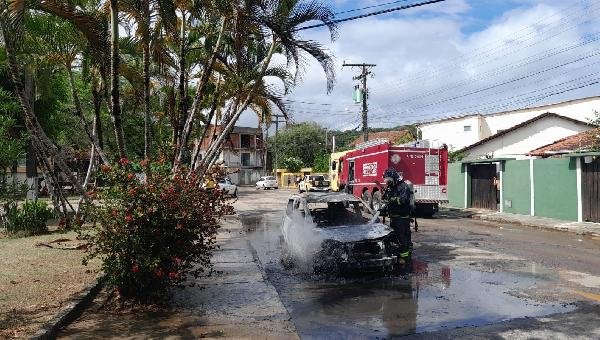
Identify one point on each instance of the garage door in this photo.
(590, 189)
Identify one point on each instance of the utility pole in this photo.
(365, 92)
(277, 121)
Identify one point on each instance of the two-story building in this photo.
(243, 153)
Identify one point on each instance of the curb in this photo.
(70, 312)
(559, 228)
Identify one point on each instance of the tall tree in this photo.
(11, 26)
(114, 78)
(281, 19)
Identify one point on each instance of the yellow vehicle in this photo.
(335, 168)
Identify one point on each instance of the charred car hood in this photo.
(355, 233)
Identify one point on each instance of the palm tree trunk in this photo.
(79, 111)
(91, 166)
(97, 101)
(198, 142)
(147, 122)
(206, 72)
(114, 93)
(180, 121)
(217, 145)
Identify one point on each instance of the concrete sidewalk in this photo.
(235, 302)
(580, 228)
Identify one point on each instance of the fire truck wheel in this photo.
(376, 201)
(366, 197)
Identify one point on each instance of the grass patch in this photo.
(35, 281)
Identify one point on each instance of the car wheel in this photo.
(235, 193)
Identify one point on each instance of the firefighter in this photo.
(399, 207)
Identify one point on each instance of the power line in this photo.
(385, 11)
(494, 73)
(561, 25)
(490, 109)
(369, 7)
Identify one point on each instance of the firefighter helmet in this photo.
(391, 176)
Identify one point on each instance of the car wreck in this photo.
(332, 231)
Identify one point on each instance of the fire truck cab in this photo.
(360, 172)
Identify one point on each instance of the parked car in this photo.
(314, 183)
(227, 186)
(340, 238)
(267, 182)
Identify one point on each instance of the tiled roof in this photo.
(583, 141)
(524, 124)
(392, 136)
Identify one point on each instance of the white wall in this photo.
(452, 132)
(521, 141)
(234, 159)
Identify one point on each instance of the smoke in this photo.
(303, 241)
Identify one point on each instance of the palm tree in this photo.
(281, 18)
(90, 21)
(13, 35)
(61, 43)
(114, 78)
(143, 12)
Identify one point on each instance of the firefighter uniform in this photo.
(400, 209)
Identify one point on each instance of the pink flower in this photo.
(123, 161)
(128, 218)
(135, 268)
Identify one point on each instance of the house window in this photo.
(467, 128)
(245, 141)
(245, 159)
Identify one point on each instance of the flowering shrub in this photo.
(153, 228)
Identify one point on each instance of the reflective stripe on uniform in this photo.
(405, 254)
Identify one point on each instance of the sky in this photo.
(451, 58)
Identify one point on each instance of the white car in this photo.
(314, 183)
(227, 187)
(267, 182)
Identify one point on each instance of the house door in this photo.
(590, 190)
(483, 190)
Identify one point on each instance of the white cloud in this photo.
(427, 66)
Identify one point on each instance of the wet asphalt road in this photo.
(470, 279)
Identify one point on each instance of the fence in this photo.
(548, 187)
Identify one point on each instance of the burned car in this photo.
(330, 232)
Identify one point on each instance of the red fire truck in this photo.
(360, 172)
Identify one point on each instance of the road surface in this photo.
(470, 279)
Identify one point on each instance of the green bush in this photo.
(292, 164)
(153, 229)
(29, 219)
(321, 163)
